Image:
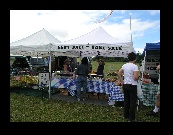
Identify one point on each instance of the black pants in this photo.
(130, 99)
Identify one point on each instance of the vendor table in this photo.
(94, 85)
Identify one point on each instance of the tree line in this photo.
(139, 58)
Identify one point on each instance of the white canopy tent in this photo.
(96, 43)
(41, 41)
(37, 44)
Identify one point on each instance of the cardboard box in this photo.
(95, 97)
(55, 90)
(64, 92)
(95, 94)
(89, 94)
(103, 96)
(92, 95)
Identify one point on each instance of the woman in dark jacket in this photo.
(82, 72)
(100, 68)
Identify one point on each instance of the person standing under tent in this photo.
(67, 67)
(100, 68)
(82, 72)
(73, 64)
(155, 112)
(129, 85)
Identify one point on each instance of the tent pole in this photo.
(143, 66)
(37, 57)
(50, 75)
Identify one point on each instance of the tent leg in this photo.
(50, 75)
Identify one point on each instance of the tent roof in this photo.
(152, 49)
(96, 36)
(97, 42)
(152, 46)
(42, 37)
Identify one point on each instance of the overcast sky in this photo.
(69, 24)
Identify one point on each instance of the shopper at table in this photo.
(155, 111)
(130, 71)
(100, 68)
(82, 72)
(67, 66)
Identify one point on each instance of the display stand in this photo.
(43, 81)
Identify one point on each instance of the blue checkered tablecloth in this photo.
(94, 85)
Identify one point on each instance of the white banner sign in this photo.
(75, 50)
(97, 50)
(93, 47)
(151, 65)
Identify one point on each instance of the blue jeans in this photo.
(81, 83)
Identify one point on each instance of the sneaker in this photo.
(132, 121)
(78, 99)
(152, 113)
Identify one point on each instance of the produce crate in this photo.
(149, 94)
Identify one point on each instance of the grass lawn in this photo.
(116, 66)
(33, 109)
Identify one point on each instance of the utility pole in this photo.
(131, 35)
(130, 28)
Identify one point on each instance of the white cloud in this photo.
(69, 24)
(154, 12)
(140, 50)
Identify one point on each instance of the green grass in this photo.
(116, 66)
(12, 60)
(33, 109)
